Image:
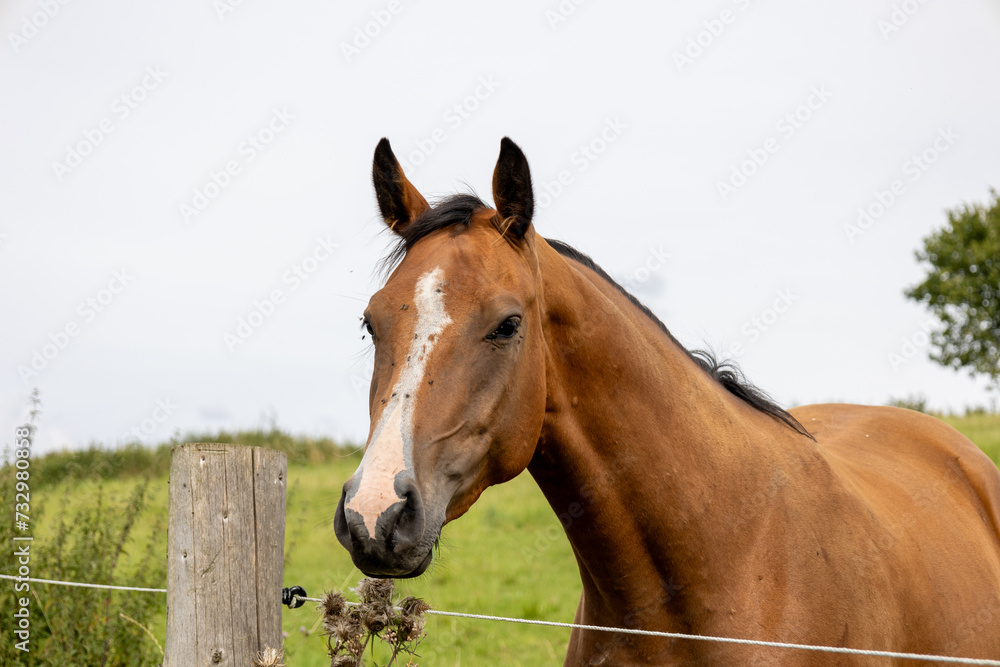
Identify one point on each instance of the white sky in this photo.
(678, 131)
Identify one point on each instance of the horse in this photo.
(693, 503)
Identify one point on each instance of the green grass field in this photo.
(507, 556)
(983, 429)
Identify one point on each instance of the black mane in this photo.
(725, 372)
(457, 210)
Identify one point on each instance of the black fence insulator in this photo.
(293, 596)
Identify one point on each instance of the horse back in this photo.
(924, 502)
(919, 453)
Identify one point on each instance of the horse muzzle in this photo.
(401, 545)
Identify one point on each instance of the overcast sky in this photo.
(760, 173)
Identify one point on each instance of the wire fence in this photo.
(599, 628)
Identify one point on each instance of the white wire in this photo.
(75, 583)
(599, 628)
(709, 638)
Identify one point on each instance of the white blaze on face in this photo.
(390, 450)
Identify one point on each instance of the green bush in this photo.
(917, 402)
(82, 626)
(133, 460)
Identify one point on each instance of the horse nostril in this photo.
(411, 501)
(407, 523)
(340, 525)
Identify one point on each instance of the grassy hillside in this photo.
(982, 429)
(507, 556)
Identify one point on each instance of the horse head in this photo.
(458, 390)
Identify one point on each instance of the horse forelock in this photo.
(453, 211)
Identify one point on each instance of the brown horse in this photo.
(693, 504)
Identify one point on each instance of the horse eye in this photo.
(368, 328)
(507, 329)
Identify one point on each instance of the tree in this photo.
(962, 289)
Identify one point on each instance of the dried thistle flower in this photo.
(411, 621)
(341, 627)
(351, 627)
(411, 606)
(375, 621)
(371, 590)
(333, 604)
(269, 657)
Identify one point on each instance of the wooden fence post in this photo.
(225, 545)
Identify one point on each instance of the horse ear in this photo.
(512, 189)
(398, 200)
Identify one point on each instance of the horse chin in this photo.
(424, 564)
(399, 573)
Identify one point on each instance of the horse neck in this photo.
(645, 458)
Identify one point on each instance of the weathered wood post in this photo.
(225, 546)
